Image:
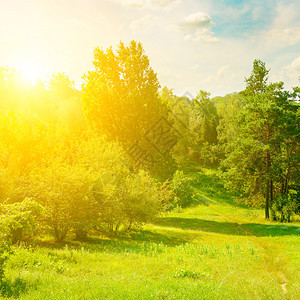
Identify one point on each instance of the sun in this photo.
(30, 71)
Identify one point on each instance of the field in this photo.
(214, 249)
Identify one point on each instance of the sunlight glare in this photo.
(30, 71)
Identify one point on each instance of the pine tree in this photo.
(263, 152)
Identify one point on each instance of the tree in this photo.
(228, 108)
(120, 95)
(127, 199)
(207, 115)
(62, 87)
(179, 116)
(257, 155)
(203, 127)
(64, 190)
(257, 81)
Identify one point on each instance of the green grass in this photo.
(215, 250)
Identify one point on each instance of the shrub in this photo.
(5, 252)
(19, 218)
(182, 189)
(285, 206)
(4, 183)
(127, 199)
(145, 198)
(64, 191)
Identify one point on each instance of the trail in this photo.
(271, 261)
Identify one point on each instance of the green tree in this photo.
(257, 81)
(179, 116)
(120, 95)
(266, 126)
(206, 114)
(228, 108)
(203, 127)
(64, 190)
(128, 199)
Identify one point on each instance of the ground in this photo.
(214, 249)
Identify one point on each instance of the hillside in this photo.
(214, 249)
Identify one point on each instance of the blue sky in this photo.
(192, 45)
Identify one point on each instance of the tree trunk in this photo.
(273, 213)
(268, 167)
(81, 234)
(267, 215)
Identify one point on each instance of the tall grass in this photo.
(210, 251)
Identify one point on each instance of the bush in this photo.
(4, 184)
(5, 252)
(127, 199)
(284, 206)
(146, 197)
(19, 218)
(182, 189)
(64, 191)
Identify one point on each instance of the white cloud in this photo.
(196, 21)
(287, 14)
(201, 35)
(198, 28)
(257, 12)
(196, 67)
(285, 29)
(281, 37)
(221, 73)
(162, 2)
(143, 23)
(292, 71)
(145, 3)
(295, 65)
(133, 3)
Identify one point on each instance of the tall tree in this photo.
(203, 126)
(266, 127)
(61, 86)
(120, 95)
(257, 81)
(206, 113)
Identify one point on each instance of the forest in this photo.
(119, 153)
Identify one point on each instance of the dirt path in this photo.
(271, 261)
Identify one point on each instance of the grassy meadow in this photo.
(214, 249)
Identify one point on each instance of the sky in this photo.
(192, 45)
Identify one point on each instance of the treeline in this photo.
(251, 136)
(64, 167)
(106, 157)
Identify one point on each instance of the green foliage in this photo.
(19, 218)
(21, 138)
(285, 206)
(206, 118)
(64, 191)
(5, 252)
(195, 121)
(261, 141)
(4, 184)
(120, 95)
(228, 108)
(257, 81)
(128, 199)
(182, 189)
(211, 252)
